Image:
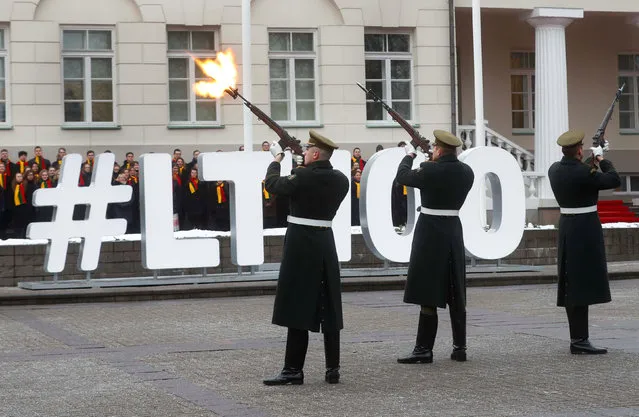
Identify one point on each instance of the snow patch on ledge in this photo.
(200, 234)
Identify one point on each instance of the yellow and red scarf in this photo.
(360, 162)
(7, 168)
(46, 184)
(3, 181)
(19, 195)
(266, 194)
(357, 189)
(193, 185)
(178, 179)
(22, 164)
(221, 194)
(405, 190)
(40, 163)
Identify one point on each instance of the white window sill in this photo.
(392, 124)
(194, 126)
(91, 126)
(315, 124)
(523, 132)
(629, 132)
(6, 127)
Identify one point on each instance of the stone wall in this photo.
(123, 259)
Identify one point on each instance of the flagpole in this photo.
(480, 131)
(246, 73)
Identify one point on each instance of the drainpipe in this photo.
(453, 67)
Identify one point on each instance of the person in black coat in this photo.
(194, 203)
(437, 269)
(308, 293)
(355, 194)
(582, 267)
(39, 160)
(123, 210)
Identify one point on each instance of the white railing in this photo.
(524, 157)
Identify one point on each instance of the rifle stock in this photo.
(286, 140)
(417, 140)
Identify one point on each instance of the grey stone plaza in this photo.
(207, 357)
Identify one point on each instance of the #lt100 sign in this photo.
(244, 171)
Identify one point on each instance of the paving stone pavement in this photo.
(207, 357)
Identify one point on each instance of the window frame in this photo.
(86, 56)
(629, 74)
(189, 54)
(387, 57)
(529, 73)
(626, 179)
(4, 53)
(290, 57)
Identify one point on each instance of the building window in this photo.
(522, 90)
(88, 67)
(293, 75)
(4, 71)
(389, 64)
(629, 183)
(185, 107)
(629, 101)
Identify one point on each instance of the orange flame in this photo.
(223, 74)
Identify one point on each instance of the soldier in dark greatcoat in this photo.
(581, 260)
(437, 268)
(308, 290)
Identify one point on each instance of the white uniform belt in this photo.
(309, 222)
(578, 210)
(438, 212)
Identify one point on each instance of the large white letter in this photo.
(245, 172)
(341, 160)
(509, 203)
(375, 206)
(160, 250)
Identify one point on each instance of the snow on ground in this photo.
(190, 234)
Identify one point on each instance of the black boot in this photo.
(426, 332)
(584, 347)
(288, 375)
(331, 352)
(296, 347)
(458, 324)
(578, 324)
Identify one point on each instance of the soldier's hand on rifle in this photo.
(597, 153)
(410, 150)
(276, 151)
(606, 146)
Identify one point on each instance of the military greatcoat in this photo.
(582, 268)
(308, 289)
(437, 259)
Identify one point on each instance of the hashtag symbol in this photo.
(64, 198)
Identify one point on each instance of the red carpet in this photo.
(613, 211)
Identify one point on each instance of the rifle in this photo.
(598, 139)
(286, 140)
(417, 140)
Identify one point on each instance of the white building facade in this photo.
(118, 74)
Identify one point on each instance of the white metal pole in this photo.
(246, 73)
(480, 132)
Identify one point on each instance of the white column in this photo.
(551, 90)
(480, 131)
(247, 67)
